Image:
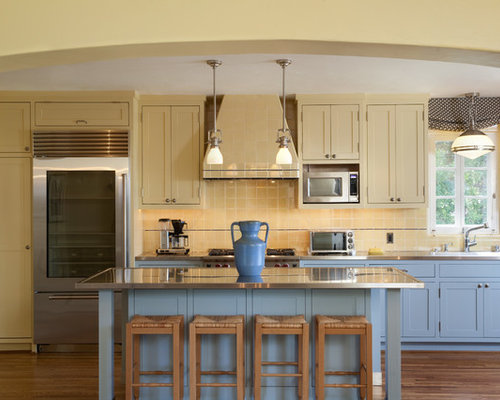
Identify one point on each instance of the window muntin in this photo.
(462, 190)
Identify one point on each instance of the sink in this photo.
(466, 254)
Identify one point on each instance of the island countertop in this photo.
(271, 278)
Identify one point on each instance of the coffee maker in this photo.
(173, 240)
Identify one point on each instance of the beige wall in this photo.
(34, 32)
(275, 202)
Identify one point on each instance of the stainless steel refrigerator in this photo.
(80, 212)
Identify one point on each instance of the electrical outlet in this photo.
(390, 237)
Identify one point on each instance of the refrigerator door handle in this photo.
(73, 297)
(125, 220)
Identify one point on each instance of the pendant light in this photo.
(284, 156)
(214, 155)
(472, 143)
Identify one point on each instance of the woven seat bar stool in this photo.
(154, 325)
(282, 325)
(345, 325)
(215, 325)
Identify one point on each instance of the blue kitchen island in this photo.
(308, 291)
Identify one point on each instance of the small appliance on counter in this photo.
(332, 243)
(173, 240)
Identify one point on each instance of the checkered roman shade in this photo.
(452, 113)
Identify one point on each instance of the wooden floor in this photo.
(426, 375)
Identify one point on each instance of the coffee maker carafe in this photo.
(179, 240)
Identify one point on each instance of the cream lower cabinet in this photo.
(171, 155)
(396, 156)
(330, 132)
(15, 251)
(15, 129)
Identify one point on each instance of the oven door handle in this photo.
(73, 297)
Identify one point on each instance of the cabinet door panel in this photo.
(315, 132)
(491, 313)
(345, 132)
(419, 311)
(15, 204)
(81, 114)
(156, 161)
(381, 149)
(185, 154)
(461, 309)
(410, 155)
(15, 259)
(15, 130)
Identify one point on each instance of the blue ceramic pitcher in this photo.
(249, 249)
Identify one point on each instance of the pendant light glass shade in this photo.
(284, 156)
(213, 154)
(472, 143)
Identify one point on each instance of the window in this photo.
(462, 191)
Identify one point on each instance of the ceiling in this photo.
(259, 74)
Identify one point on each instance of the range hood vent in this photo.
(249, 124)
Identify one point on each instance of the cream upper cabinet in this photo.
(15, 129)
(15, 250)
(330, 132)
(170, 155)
(81, 114)
(396, 154)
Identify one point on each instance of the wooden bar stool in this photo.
(282, 325)
(154, 325)
(345, 325)
(215, 325)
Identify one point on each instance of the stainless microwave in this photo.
(332, 242)
(331, 187)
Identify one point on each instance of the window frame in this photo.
(492, 219)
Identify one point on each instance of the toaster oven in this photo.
(332, 242)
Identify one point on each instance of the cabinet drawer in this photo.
(81, 114)
(419, 270)
(469, 270)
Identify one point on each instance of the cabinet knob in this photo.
(81, 121)
(173, 200)
(398, 199)
(392, 198)
(327, 155)
(167, 200)
(334, 155)
(486, 285)
(27, 247)
(27, 148)
(479, 286)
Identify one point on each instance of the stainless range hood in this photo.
(249, 124)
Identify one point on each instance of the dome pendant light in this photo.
(284, 156)
(472, 143)
(214, 155)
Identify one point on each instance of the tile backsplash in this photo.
(275, 203)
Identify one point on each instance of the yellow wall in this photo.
(98, 28)
(275, 203)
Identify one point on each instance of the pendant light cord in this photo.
(283, 66)
(214, 66)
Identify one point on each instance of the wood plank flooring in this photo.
(426, 375)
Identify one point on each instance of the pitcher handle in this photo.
(267, 231)
(232, 230)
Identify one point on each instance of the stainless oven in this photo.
(80, 215)
(330, 186)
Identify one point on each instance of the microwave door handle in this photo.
(125, 220)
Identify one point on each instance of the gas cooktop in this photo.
(269, 252)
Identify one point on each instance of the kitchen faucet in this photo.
(469, 243)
